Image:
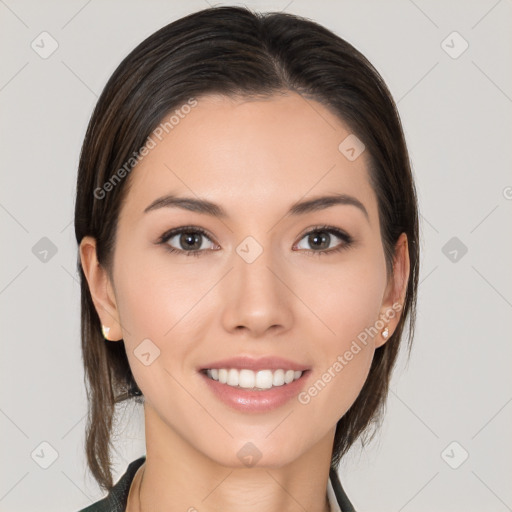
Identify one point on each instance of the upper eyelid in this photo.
(324, 228)
(184, 229)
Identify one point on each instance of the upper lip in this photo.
(252, 363)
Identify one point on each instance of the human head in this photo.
(235, 53)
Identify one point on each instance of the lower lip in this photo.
(256, 401)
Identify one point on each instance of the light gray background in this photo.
(457, 119)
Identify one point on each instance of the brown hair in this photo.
(234, 51)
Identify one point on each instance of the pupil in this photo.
(190, 240)
(322, 238)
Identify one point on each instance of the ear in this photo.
(394, 295)
(101, 288)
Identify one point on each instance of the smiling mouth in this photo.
(260, 380)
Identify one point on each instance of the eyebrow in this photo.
(208, 208)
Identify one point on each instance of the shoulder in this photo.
(117, 498)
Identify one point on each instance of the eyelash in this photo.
(347, 239)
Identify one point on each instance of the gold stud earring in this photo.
(105, 330)
(385, 333)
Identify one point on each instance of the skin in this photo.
(289, 302)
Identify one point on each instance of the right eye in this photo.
(188, 239)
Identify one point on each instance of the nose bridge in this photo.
(253, 262)
(258, 299)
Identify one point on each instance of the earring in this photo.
(105, 330)
(385, 333)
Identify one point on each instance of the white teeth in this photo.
(278, 378)
(264, 379)
(223, 376)
(232, 377)
(248, 379)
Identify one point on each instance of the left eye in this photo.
(321, 238)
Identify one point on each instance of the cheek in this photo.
(347, 298)
(152, 296)
(157, 302)
(348, 302)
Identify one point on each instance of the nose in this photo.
(256, 295)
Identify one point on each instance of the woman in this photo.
(271, 150)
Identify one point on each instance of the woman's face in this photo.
(255, 286)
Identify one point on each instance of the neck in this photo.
(177, 477)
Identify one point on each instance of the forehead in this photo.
(250, 153)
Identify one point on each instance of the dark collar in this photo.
(342, 498)
(118, 497)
